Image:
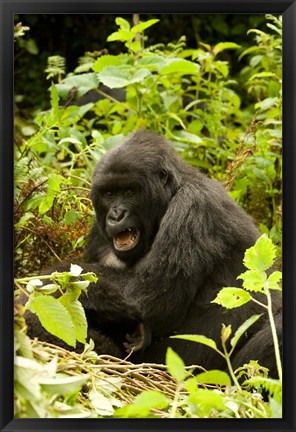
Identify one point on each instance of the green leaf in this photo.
(214, 377)
(175, 365)
(253, 280)
(62, 384)
(143, 403)
(266, 104)
(199, 339)
(117, 77)
(187, 137)
(77, 314)
(274, 278)
(54, 317)
(139, 28)
(46, 204)
(54, 100)
(152, 62)
(261, 256)
(54, 181)
(221, 46)
(106, 60)
(243, 328)
(180, 66)
(232, 297)
(122, 23)
(83, 82)
(121, 35)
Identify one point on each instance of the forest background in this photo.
(212, 84)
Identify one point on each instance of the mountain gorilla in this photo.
(166, 239)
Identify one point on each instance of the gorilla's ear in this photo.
(163, 176)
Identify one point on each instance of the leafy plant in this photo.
(63, 316)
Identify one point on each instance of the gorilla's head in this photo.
(131, 189)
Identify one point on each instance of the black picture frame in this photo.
(10, 7)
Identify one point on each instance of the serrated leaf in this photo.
(221, 46)
(243, 328)
(199, 339)
(117, 77)
(253, 280)
(261, 255)
(153, 62)
(62, 384)
(175, 365)
(274, 279)
(180, 66)
(232, 297)
(106, 60)
(214, 377)
(83, 82)
(54, 317)
(77, 314)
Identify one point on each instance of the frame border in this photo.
(7, 10)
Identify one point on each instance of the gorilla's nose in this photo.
(116, 215)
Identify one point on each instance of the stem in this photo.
(274, 335)
(227, 358)
(175, 401)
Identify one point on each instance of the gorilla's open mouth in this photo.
(127, 239)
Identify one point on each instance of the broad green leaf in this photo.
(62, 384)
(122, 23)
(117, 77)
(232, 297)
(253, 280)
(144, 25)
(46, 204)
(266, 104)
(77, 313)
(214, 377)
(198, 338)
(187, 137)
(54, 317)
(83, 83)
(175, 365)
(243, 328)
(106, 60)
(274, 279)
(54, 181)
(101, 404)
(262, 75)
(121, 35)
(114, 77)
(181, 66)
(90, 277)
(221, 46)
(143, 403)
(261, 255)
(153, 62)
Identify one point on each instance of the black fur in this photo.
(192, 241)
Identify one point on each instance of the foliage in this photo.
(64, 316)
(224, 122)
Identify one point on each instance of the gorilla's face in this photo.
(119, 208)
(130, 196)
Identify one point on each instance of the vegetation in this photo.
(227, 123)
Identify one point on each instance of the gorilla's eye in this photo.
(163, 176)
(128, 192)
(108, 194)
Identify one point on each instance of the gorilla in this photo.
(165, 240)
